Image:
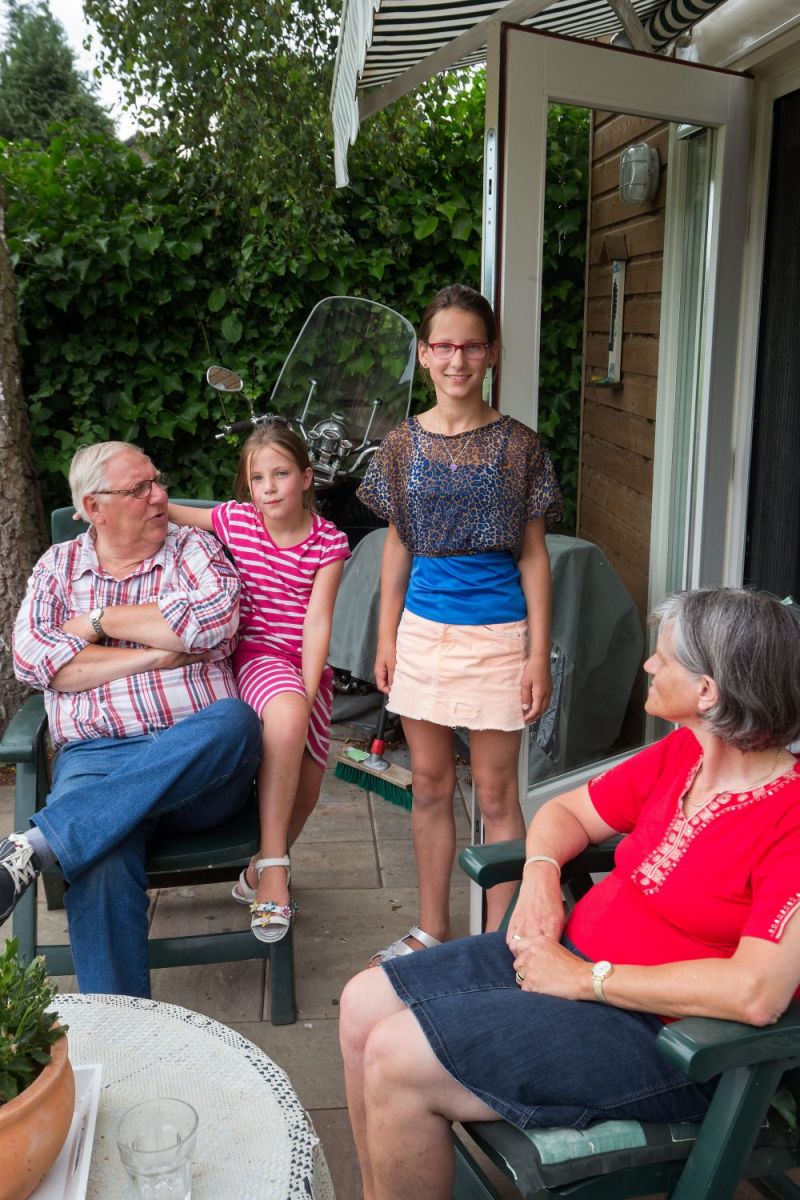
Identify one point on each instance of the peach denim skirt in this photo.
(465, 675)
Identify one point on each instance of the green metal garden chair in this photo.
(749, 1132)
(173, 859)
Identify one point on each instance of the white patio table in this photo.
(255, 1141)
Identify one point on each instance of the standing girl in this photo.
(464, 627)
(290, 561)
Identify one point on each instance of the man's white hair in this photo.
(87, 471)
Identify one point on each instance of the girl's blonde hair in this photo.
(280, 435)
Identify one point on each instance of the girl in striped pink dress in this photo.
(290, 560)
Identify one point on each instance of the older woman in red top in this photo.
(555, 1021)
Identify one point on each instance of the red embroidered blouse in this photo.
(689, 888)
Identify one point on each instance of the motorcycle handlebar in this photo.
(250, 423)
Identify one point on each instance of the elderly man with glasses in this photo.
(127, 629)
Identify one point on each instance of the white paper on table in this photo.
(68, 1177)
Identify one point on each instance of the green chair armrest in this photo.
(703, 1047)
(502, 862)
(24, 732)
(499, 862)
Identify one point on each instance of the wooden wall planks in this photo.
(618, 425)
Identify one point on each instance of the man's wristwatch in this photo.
(95, 618)
(601, 971)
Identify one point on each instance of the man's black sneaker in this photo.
(18, 869)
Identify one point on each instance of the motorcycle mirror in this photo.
(223, 380)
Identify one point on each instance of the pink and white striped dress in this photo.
(276, 589)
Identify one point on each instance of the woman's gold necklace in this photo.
(737, 789)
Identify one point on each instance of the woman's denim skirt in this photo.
(538, 1060)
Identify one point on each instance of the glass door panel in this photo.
(661, 311)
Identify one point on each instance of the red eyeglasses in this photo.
(472, 350)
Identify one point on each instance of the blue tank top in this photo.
(467, 589)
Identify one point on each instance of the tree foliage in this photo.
(245, 83)
(132, 280)
(39, 83)
(134, 276)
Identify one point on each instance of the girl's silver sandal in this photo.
(400, 947)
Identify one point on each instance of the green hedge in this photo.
(132, 279)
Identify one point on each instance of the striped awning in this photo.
(382, 40)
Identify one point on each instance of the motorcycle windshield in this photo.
(353, 359)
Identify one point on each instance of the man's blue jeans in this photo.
(108, 796)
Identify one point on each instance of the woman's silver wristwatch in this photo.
(600, 971)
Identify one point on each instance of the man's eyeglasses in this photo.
(472, 350)
(139, 490)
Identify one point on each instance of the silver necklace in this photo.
(455, 461)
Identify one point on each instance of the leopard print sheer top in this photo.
(469, 493)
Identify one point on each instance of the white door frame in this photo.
(526, 72)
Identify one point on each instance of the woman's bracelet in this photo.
(543, 858)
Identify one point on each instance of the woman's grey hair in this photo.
(749, 644)
(87, 471)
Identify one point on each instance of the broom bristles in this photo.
(395, 793)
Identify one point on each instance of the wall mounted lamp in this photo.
(639, 173)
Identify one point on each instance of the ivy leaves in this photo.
(109, 258)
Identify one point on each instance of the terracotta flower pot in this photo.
(34, 1126)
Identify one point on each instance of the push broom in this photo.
(374, 773)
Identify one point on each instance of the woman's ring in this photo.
(515, 937)
(520, 978)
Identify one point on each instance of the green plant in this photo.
(135, 276)
(27, 1026)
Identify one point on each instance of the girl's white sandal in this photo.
(241, 890)
(270, 921)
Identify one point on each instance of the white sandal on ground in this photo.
(400, 947)
(270, 921)
(241, 890)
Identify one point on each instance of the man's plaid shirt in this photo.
(197, 591)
